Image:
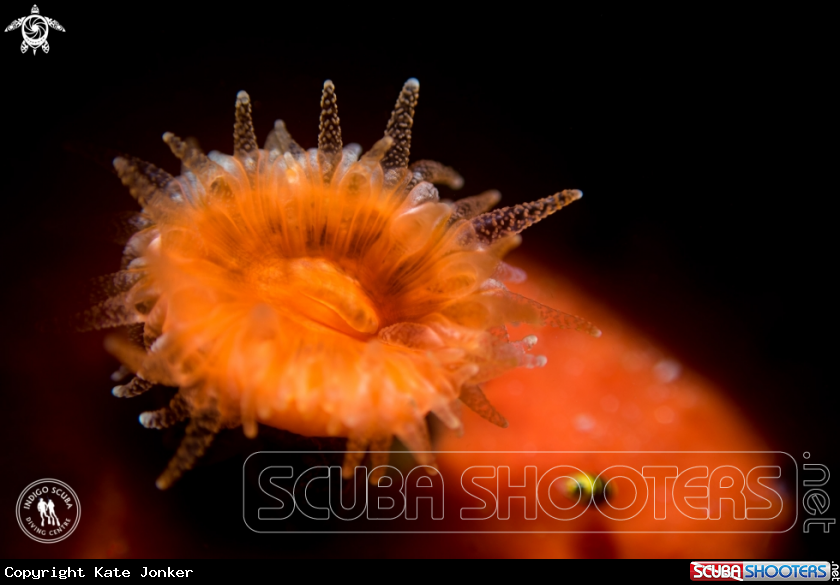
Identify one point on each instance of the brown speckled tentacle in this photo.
(473, 397)
(507, 221)
(135, 387)
(399, 126)
(165, 417)
(201, 430)
(244, 139)
(436, 173)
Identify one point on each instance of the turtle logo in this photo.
(35, 28)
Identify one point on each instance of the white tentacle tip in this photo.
(118, 390)
(412, 82)
(243, 97)
(145, 419)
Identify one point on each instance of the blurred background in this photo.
(701, 142)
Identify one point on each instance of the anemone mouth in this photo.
(319, 291)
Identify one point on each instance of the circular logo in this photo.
(35, 30)
(48, 510)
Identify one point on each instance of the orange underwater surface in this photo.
(619, 392)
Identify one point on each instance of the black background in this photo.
(703, 142)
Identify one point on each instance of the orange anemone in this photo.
(318, 291)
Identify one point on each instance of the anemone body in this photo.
(320, 291)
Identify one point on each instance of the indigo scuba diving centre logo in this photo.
(48, 510)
